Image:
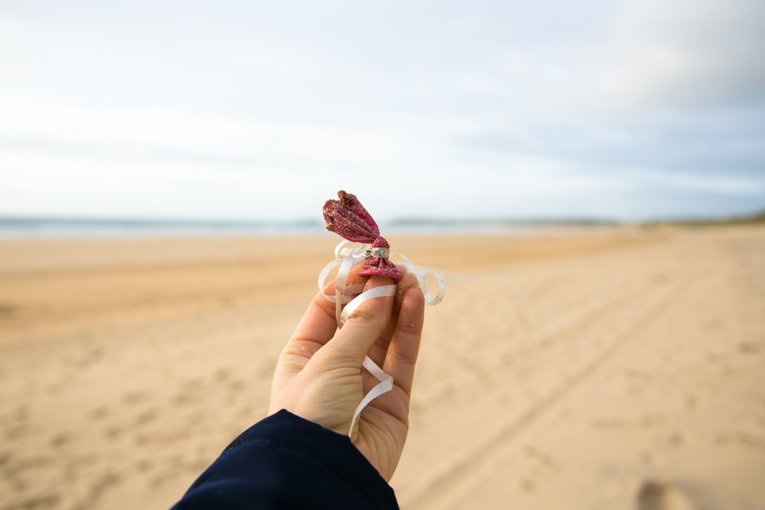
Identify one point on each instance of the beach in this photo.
(581, 369)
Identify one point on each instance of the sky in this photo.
(246, 110)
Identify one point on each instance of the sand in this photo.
(614, 369)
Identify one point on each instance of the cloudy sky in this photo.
(244, 110)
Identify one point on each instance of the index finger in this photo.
(318, 324)
(405, 344)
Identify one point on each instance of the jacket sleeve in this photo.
(287, 462)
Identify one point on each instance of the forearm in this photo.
(285, 461)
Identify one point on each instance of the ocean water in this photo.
(12, 227)
(23, 227)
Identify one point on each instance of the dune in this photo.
(594, 368)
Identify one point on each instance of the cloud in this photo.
(627, 109)
(689, 53)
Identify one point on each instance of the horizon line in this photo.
(404, 221)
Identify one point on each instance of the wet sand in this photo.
(592, 369)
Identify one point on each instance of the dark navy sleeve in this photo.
(285, 462)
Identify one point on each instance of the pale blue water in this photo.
(15, 227)
(82, 227)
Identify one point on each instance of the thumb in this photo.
(366, 322)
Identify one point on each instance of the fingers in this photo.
(364, 326)
(318, 323)
(380, 348)
(313, 331)
(405, 344)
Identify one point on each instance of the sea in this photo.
(25, 227)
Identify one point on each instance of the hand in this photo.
(319, 375)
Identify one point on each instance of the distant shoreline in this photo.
(25, 227)
(79, 227)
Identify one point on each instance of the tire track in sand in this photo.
(439, 487)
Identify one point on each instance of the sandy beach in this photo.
(591, 369)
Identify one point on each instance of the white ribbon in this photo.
(348, 298)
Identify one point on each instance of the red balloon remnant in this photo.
(348, 218)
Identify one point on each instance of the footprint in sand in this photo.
(99, 413)
(748, 348)
(101, 485)
(6, 310)
(135, 397)
(661, 496)
(222, 374)
(146, 417)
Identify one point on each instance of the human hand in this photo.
(320, 378)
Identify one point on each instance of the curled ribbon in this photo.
(348, 298)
